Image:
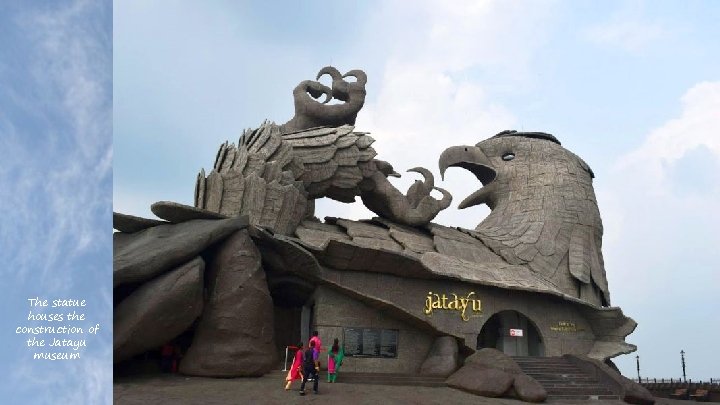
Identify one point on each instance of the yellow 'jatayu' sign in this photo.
(438, 301)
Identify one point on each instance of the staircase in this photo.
(563, 380)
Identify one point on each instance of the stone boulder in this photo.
(528, 389)
(178, 213)
(234, 337)
(492, 373)
(493, 358)
(443, 357)
(158, 311)
(481, 380)
(143, 255)
(131, 224)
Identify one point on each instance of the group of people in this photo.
(306, 364)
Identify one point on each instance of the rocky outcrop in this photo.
(234, 337)
(528, 389)
(131, 224)
(491, 373)
(495, 359)
(143, 255)
(443, 357)
(178, 213)
(158, 311)
(483, 381)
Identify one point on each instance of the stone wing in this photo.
(272, 176)
(566, 254)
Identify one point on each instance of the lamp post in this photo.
(638, 367)
(682, 360)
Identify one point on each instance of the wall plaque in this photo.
(370, 342)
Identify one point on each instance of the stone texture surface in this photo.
(234, 337)
(528, 389)
(493, 358)
(158, 311)
(177, 213)
(143, 255)
(131, 224)
(481, 381)
(492, 373)
(544, 212)
(442, 358)
(310, 113)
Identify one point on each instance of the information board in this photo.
(353, 342)
(370, 342)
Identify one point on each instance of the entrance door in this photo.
(292, 310)
(512, 333)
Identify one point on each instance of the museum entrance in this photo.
(512, 333)
(292, 310)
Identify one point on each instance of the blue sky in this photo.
(56, 194)
(632, 87)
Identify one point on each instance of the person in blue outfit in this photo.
(311, 368)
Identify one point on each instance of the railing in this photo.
(287, 349)
(666, 387)
(712, 381)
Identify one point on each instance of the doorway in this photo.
(524, 340)
(292, 310)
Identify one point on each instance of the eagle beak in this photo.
(473, 159)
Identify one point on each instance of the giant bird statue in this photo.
(277, 171)
(544, 212)
(252, 240)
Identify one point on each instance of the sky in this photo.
(56, 193)
(632, 87)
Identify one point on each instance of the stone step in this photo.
(561, 377)
(571, 385)
(562, 380)
(574, 398)
(578, 390)
(547, 366)
(550, 366)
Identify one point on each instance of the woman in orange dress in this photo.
(295, 372)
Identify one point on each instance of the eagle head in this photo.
(543, 208)
(511, 161)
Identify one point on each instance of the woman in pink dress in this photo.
(295, 372)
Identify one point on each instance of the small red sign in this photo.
(516, 332)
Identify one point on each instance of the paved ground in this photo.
(175, 389)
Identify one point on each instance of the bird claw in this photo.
(421, 206)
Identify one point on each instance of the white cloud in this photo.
(661, 223)
(648, 205)
(696, 127)
(433, 92)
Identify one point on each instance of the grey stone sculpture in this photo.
(158, 311)
(309, 113)
(544, 212)
(491, 373)
(277, 171)
(253, 223)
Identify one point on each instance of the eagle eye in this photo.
(508, 156)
